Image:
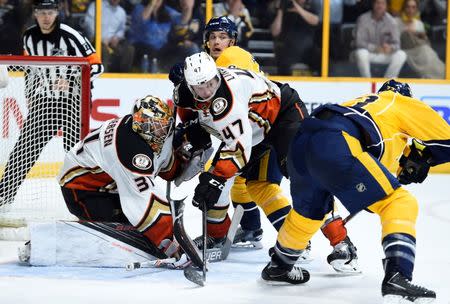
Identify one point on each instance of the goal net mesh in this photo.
(41, 118)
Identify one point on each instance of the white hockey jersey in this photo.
(114, 158)
(241, 114)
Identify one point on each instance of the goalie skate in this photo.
(24, 253)
(248, 238)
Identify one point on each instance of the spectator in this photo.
(433, 12)
(117, 52)
(152, 23)
(236, 11)
(414, 41)
(12, 20)
(188, 34)
(294, 28)
(378, 41)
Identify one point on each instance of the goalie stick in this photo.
(152, 264)
(212, 255)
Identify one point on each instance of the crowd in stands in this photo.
(366, 36)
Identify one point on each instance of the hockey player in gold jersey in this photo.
(260, 185)
(351, 149)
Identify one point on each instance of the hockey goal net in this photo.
(44, 110)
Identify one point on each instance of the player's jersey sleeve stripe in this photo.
(267, 105)
(93, 179)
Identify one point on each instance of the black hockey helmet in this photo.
(397, 87)
(220, 24)
(46, 4)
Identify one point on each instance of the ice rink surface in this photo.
(237, 280)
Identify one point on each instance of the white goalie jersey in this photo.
(115, 159)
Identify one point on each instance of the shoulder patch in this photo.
(219, 105)
(133, 152)
(222, 102)
(142, 162)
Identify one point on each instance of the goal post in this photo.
(44, 111)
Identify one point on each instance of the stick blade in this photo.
(192, 275)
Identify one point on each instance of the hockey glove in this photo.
(191, 139)
(414, 164)
(176, 74)
(208, 190)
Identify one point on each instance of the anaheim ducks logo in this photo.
(219, 105)
(142, 161)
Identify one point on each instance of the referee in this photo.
(49, 97)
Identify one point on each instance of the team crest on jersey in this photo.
(219, 105)
(142, 161)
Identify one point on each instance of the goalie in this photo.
(108, 179)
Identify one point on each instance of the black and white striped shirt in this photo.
(62, 41)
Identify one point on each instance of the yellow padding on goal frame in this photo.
(41, 170)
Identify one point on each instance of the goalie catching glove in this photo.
(414, 164)
(208, 190)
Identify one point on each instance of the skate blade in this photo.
(248, 245)
(278, 283)
(393, 299)
(340, 266)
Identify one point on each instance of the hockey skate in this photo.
(398, 289)
(276, 275)
(248, 238)
(210, 242)
(305, 256)
(344, 258)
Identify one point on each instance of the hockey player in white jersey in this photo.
(245, 111)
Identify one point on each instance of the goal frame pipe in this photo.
(62, 60)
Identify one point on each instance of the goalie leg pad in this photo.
(63, 243)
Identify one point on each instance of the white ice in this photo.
(237, 280)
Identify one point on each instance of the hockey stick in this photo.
(212, 255)
(204, 236)
(235, 221)
(186, 243)
(349, 217)
(152, 264)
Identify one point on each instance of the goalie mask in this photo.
(397, 87)
(202, 78)
(153, 120)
